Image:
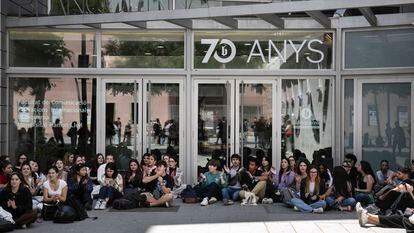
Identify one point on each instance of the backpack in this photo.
(189, 195)
(131, 201)
(6, 226)
(64, 214)
(287, 195)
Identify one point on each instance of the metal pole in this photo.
(149, 117)
(135, 119)
(241, 120)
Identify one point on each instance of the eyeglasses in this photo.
(344, 166)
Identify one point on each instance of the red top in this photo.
(3, 179)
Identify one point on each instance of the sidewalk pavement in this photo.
(193, 218)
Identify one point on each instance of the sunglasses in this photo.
(344, 166)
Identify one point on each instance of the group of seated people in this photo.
(157, 180)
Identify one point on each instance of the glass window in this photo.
(143, 50)
(52, 116)
(307, 116)
(271, 50)
(386, 114)
(380, 48)
(349, 116)
(52, 49)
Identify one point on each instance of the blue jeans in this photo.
(350, 201)
(109, 192)
(231, 193)
(305, 208)
(364, 198)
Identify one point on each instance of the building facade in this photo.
(197, 78)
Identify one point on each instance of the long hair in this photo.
(76, 171)
(281, 169)
(317, 180)
(113, 167)
(298, 166)
(138, 174)
(23, 183)
(340, 181)
(268, 167)
(367, 169)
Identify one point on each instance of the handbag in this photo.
(49, 211)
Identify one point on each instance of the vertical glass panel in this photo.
(255, 120)
(52, 49)
(121, 119)
(379, 48)
(143, 50)
(386, 114)
(349, 116)
(164, 115)
(52, 116)
(268, 50)
(213, 121)
(307, 110)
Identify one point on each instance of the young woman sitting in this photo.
(164, 186)
(21, 159)
(112, 186)
(150, 171)
(80, 187)
(212, 183)
(16, 199)
(62, 174)
(285, 178)
(54, 189)
(39, 176)
(93, 175)
(177, 174)
(301, 173)
(133, 178)
(312, 193)
(269, 172)
(365, 184)
(341, 197)
(5, 172)
(31, 184)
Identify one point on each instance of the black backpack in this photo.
(189, 195)
(6, 226)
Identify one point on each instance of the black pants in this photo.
(211, 190)
(405, 202)
(26, 218)
(396, 221)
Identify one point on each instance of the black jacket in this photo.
(23, 199)
(308, 200)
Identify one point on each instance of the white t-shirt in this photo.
(101, 172)
(58, 191)
(312, 187)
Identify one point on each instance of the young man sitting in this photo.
(165, 184)
(231, 193)
(252, 181)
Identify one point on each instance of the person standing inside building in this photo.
(58, 132)
(127, 133)
(72, 133)
(398, 138)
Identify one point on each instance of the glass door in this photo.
(384, 126)
(214, 118)
(255, 119)
(122, 120)
(162, 116)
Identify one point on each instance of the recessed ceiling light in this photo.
(147, 54)
(160, 46)
(58, 50)
(247, 44)
(46, 44)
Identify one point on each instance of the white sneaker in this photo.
(98, 204)
(362, 215)
(296, 208)
(103, 205)
(212, 200)
(204, 202)
(318, 210)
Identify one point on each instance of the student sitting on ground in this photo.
(93, 175)
(252, 181)
(149, 183)
(341, 197)
(301, 173)
(102, 169)
(365, 185)
(39, 176)
(133, 178)
(292, 163)
(212, 183)
(16, 199)
(177, 174)
(5, 172)
(111, 187)
(231, 193)
(285, 178)
(164, 185)
(80, 187)
(312, 193)
(269, 172)
(30, 181)
(390, 221)
(54, 189)
(384, 175)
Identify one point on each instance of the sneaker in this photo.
(103, 205)
(212, 200)
(296, 208)
(318, 210)
(225, 202)
(264, 201)
(362, 215)
(98, 204)
(167, 204)
(204, 202)
(230, 202)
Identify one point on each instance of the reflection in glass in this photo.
(213, 121)
(51, 116)
(349, 116)
(255, 120)
(307, 116)
(52, 49)
(163, 115)
(143, 50)
(121, 121)
(272, 50)
(386, 112)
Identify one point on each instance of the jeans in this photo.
(109, 192)
(231, 193)
(350, 201)
(364, 198)
(305, 208)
